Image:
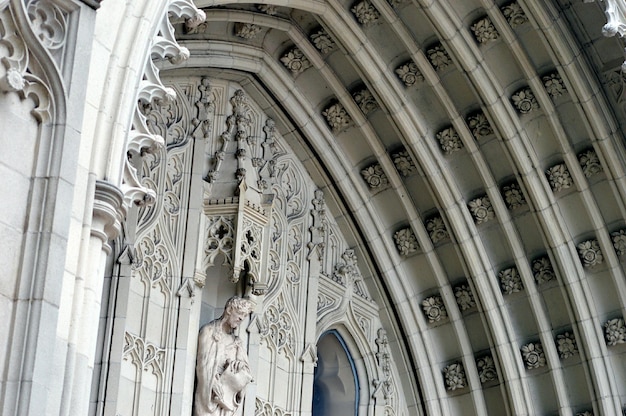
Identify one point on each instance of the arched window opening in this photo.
(335, 385)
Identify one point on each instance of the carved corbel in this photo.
(108, 213)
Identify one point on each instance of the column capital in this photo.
(108, 211)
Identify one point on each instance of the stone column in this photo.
(107, 216)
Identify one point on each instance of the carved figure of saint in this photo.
(222, 368)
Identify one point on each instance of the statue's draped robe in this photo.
(219, 353)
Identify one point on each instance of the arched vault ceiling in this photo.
(476, 149)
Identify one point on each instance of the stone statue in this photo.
(222, 369)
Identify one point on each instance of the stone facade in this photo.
(424, 214)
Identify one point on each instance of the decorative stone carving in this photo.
(524, 100)
(559, 177)
(263, 408)
(267, 9)
(590, 163)
(365, 12)
(449, 140)
(18, 76)
(566, 345)
(141, 140)
(554, 85)
(619, 241)
(247, 30)
(590, 253)
(464, 297)
(383, 358)
(481, 209)
(365, 100)
(542, 270)
(295, 61)
(587, 413)
(337, 117)
(434, 309)
(375, 177)
(323, 41)
(222, 368)
(513, 196)
(276, 328)
(514, 14)
(486, 369)
(404, 163)
(438, 57)
(406, 242)
(437, 229)
(615, 332)
(146, 356)
(479, 125)
(108, 213)
(484, 30)
(409, 73)
(454, 375)
(533, 355)
(49, 23)
(347, 274)
(510, 281)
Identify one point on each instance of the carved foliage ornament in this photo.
(295, 61)
(406, 242)
(514, 14)
(566, 345)
(513, 196)
(404, 163)
(365, 100)
(323, 42)
(590, 163)
(481, 209)
(510, 281)
(590, 253)
(409, 74)
(337, 117)
(486, 369)
(479, 125)
(375, 177)
(524, 100)
(554, 85)
(437, 229)
(434, 309)
(619, 241)
(559, 177)
(615, 332)
(449, 140)
(484, 30)
(533, 355)
(454, 375)
(464, 297)
(247, 30)
(438, 57)
(365, 12)
(542, 270)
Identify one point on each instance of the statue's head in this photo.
(236, 310)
